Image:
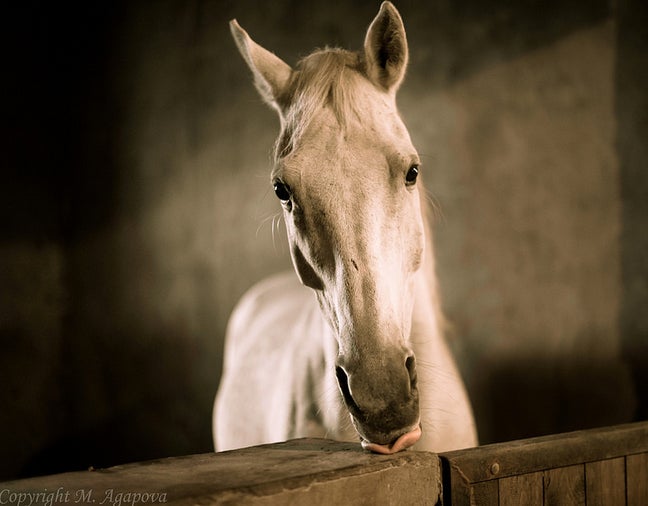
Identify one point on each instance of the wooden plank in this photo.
(605, 482)
(486, 493)
(525, 489)
(455, 489)
(637, 479)
(537, 454)
(458, 492)
(308, 472)
(565, 486)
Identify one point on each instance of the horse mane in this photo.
(326, 78)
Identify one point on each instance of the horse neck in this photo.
(428, 318)
(446, 414)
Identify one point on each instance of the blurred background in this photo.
(136, 209)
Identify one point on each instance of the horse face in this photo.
(346, 174)
(353, 216)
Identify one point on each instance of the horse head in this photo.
(346, 175)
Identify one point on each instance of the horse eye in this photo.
(412, 174)
(282, 191)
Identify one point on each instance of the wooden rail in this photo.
(312, 472)
(606, 466)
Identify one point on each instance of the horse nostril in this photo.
(410, 365)
(343, 381)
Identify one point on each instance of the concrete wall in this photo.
(524, 167)
(138, 210)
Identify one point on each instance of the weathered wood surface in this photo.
(310, 472)
(637, 479)
(565, 486)
(605, 482)
(600, 466)
(523, 489)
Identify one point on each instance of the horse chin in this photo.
(401, 443)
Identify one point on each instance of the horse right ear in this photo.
(271, 73)
(385, 48)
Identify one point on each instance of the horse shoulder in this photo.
(274, 360)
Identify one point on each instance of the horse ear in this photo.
(271, 73)
(385, 48)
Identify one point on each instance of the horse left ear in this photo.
(385, 48)
(271, 73)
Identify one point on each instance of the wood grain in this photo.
(637, 479)
(565, 486)
(486, 493)
(548, 452)
(605, 482)
(525, 489)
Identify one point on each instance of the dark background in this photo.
(135, 210)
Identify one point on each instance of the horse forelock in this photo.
(329, 77)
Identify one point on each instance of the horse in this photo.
(352, 346)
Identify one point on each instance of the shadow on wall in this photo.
(127, 422)
(528, 396)
(632, 131)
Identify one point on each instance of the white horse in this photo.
(364, 339)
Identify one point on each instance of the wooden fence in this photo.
(606, 466)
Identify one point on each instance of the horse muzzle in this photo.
(384, 405)
(402, 443)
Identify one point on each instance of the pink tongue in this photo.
(405, 441)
